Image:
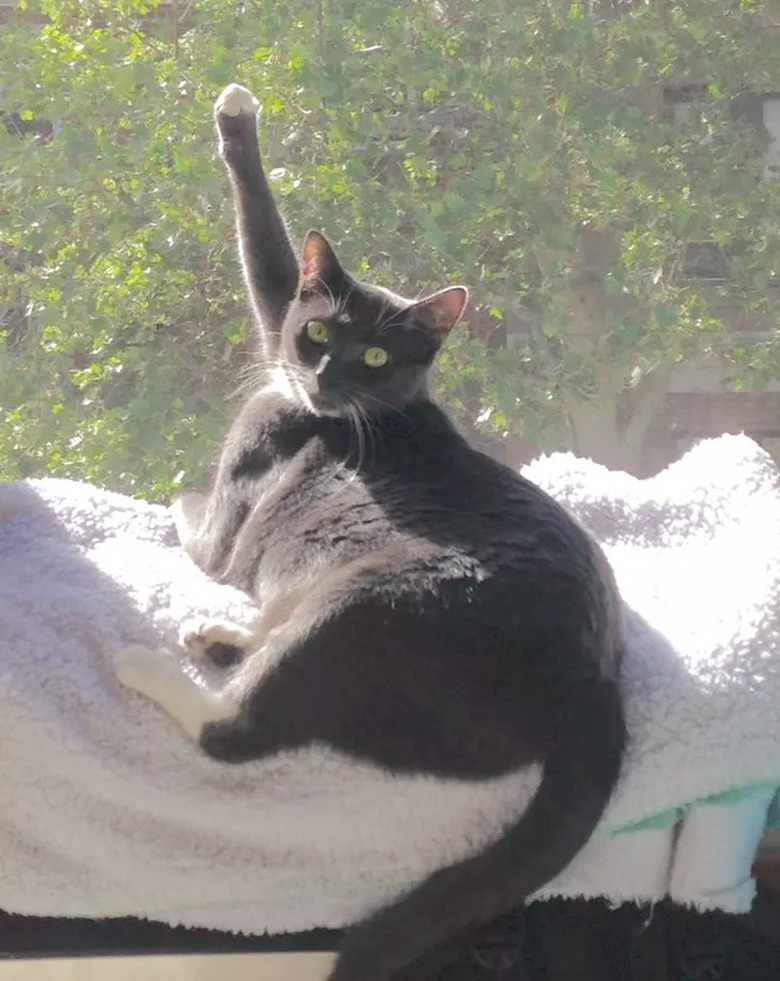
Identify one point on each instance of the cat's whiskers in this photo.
(369, 416)
(256, 374)
(391, 320)
(325, 286)
(343, 300)
(251, 376)
(396, 410)
(365, 429)
(288, 380)
(355, 428)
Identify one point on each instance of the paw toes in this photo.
(192, 639)
(215, 642)
(198, 636)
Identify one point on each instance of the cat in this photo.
(421, 606)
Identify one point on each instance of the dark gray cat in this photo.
(422, 606)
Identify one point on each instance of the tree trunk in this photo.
(612, 430)
(597, 435)
(611, 423)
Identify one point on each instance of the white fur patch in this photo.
(164, 680)
(280, 384)
(234, 100)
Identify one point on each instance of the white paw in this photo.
(141, 668)
(234, 100)
(162, 679)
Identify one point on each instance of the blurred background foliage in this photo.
(527, 150)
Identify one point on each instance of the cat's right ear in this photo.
(319, 266)
(441, 311)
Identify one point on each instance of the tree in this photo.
(527, 150)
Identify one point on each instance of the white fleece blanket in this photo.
(106, 809)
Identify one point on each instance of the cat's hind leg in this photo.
(175, 687)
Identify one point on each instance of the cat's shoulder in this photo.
(267, 426)
(267, 411)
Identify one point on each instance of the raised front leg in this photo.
(270, 264)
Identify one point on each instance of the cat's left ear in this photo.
(319, 265)
(441, 311)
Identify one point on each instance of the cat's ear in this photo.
(441, 311)
(319, 265)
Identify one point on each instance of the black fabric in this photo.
(567, 940)
(561, 940)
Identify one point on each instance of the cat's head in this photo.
(345, 343)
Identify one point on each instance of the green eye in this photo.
(375, 357)
(317, 331)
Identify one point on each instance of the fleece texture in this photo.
(108, 810)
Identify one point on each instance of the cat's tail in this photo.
(577, 783)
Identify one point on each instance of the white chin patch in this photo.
(235, 100)
(292, 391)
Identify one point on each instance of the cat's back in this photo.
(433, 483)
(410, 480)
